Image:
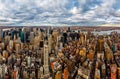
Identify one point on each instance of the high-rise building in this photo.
(1, 34)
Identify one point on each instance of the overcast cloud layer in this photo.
(59, 12)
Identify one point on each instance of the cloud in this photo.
(64, 12)
(75, 10)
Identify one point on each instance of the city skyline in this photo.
(60, 12)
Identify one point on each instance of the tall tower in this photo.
(46, 66)
(1, 34)
(17, 47)
(22, 35)
(50, 43)
(31, 37)
(100, 44)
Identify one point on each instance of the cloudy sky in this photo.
(59, 12)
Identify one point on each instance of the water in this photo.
(105, 32)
